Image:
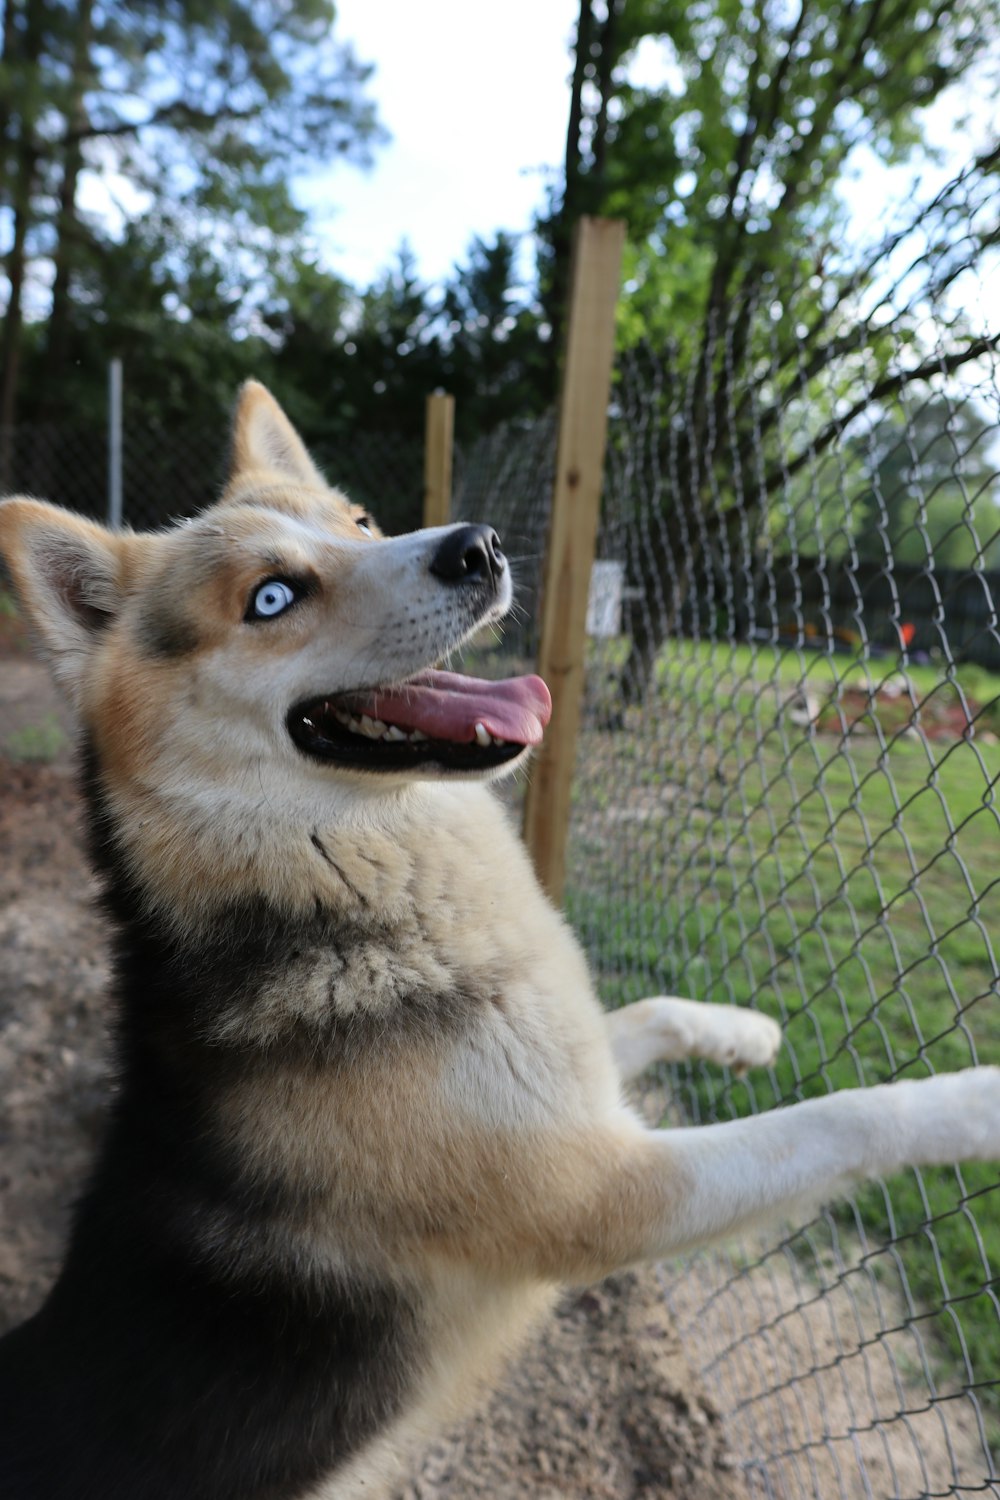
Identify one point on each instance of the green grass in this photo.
(41, 742)
(13, 636)
(848, 886)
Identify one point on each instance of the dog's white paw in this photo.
(665, 1028)
(739, 1039)
(953, 1117)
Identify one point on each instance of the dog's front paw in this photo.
(741, 1039)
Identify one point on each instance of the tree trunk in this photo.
(569, 210)
(20, 60)
(10, 357)
(648, 627)
(605, 88)
(8, 56)
(67, 223)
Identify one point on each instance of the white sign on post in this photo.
(604, 599)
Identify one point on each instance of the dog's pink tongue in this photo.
(448, 706)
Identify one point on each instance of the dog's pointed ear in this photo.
(68, 576)
(264, 439)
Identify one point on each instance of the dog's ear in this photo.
(68, 576)
(265, 440)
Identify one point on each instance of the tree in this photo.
(200, 113)
(364, 361)
(739, 267)
(932, 496)
(494, 339)
(394, 356)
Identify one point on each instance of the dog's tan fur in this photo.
(488, 1162)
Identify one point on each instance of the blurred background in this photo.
(359, 204)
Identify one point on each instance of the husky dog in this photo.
(370, 1115)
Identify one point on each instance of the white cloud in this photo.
(476, 98)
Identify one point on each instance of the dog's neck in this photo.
(354, 849)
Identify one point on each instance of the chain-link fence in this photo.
(166, 474)
(506, 478)
(786, 797)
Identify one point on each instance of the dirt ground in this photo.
(602, 1407)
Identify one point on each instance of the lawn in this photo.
(845, 880)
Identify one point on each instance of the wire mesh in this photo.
(505, 478)
(786, 797)
(167, 474)
(66, 465)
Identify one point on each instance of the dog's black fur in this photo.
(155, 1371)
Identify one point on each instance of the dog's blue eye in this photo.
(272, 598)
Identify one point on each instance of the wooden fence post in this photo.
(583, 421)
(439, 430)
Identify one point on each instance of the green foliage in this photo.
(727, 166)
(727, 171)
(204, 112)
(932, 492)
(918, 488)
(777, 332)
(348, 362)
(496, 358)
(394, 361)
(172, 318)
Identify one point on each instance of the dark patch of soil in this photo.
(942, 715)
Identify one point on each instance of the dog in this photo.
(370, 1116)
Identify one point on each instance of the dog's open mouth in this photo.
(436, 718)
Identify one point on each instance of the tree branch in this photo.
(178, 111)
(890, 385)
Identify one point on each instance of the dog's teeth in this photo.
(374, 728)
(498, 741)
(417, 734)
(395, 733)
(483, 736)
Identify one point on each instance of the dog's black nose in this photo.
(469, 554)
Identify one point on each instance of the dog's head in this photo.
(278, 630)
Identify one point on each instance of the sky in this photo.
(476, 99)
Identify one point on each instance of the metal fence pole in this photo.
(115, 444)
(583, 423)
